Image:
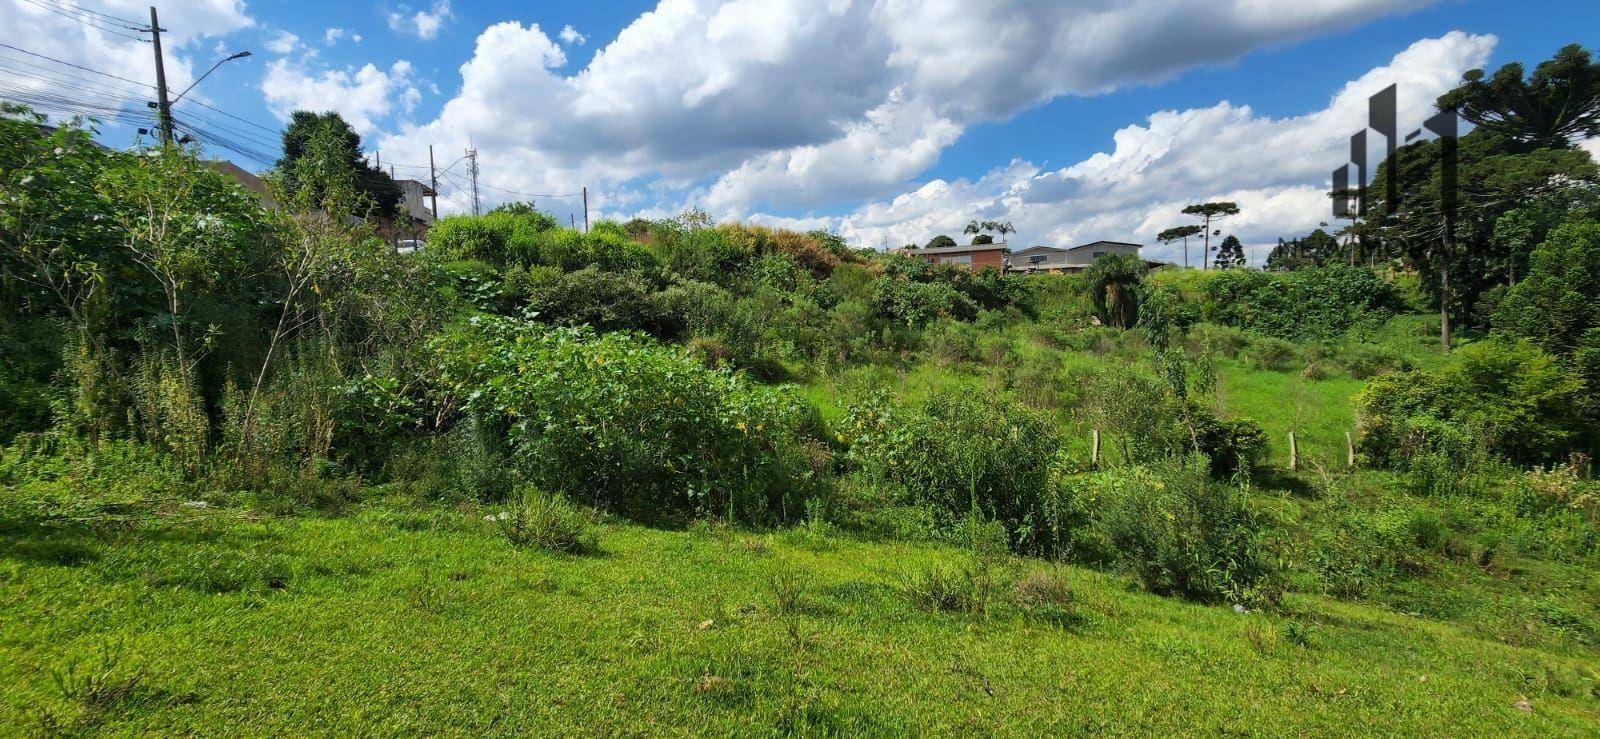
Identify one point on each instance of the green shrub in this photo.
(1177, 531)
(1302, 304)
(1363, 360)
(538, 520)
(1229, 444)
(608, 301)
(1217, 340)
(958, 455)
(920, 303)
(1274, 354)
(619, 421)
(951, 342)
(1514, 398)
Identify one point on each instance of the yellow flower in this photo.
(741, 425)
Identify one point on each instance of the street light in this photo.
(236, 55)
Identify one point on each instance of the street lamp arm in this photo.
(239, 55)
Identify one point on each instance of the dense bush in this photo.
(957, 455)
(1172, 527)
(536, 519)
(1512, 398)
(619, 421)
(1300, 305)
(920, 303)
(608, 301)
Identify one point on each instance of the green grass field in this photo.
(394, 619)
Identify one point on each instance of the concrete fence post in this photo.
(1094, 451)
(1294, 453)
(1349, 450)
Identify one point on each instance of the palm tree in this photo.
(1113, 284)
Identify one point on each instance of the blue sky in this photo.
(887, 120)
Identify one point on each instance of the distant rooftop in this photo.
(958, 249)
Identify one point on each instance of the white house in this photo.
(1055, 259)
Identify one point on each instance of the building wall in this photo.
(974, 260)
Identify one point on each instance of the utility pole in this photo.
(433, 183)
(163, 107)
(472, 154)
(586, 209)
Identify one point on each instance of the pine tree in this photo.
(1230, 253)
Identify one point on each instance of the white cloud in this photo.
(192, 28)
(423, 24)
(570, 35)
(362, 96)
(751, 104)
(1276, 168)
(283, 43)
(332, 35)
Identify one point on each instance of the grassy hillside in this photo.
(402, 619)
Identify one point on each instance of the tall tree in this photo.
(1210, 213)
(380, 190)
(1556, 106)
(939, 242)
(1230, 253)
(1182, 233)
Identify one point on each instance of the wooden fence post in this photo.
(1349, 450)
(1294, 453)
(1094, 453)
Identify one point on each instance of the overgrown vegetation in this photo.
(268, 407)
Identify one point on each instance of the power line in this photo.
(131, 24)
(89, 20)
(75, 66)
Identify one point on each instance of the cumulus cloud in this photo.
(570, 35)
(744, 105)
(423, 24)
(192, 29)
(362, 96)
(283, 43)
(1276, 168)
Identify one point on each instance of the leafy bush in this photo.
(958, 455)
(608, 301)
(1363, 360)
(619, 421)
(1516, 398)
(542, 521)
(920, 303)
(1303, 304)
(1230, 444)
(1274, 354)
(1176, 530)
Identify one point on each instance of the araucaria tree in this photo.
(1210, 213)
(1554, 107)
(1180, 233)
(1230, 253)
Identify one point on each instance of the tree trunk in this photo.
(1444, 306)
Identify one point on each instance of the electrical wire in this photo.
(74, 66)
(90, 21)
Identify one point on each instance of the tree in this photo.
(185, 225)
(1230, 254)
(1559, 301)
(999, 227)
(939, 242)
(381, 191)
(1209, 213)
(1113, 284)
(982, 239)
(1556, 106)
(1317, 249)
(973, 227)
(1182, 233)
